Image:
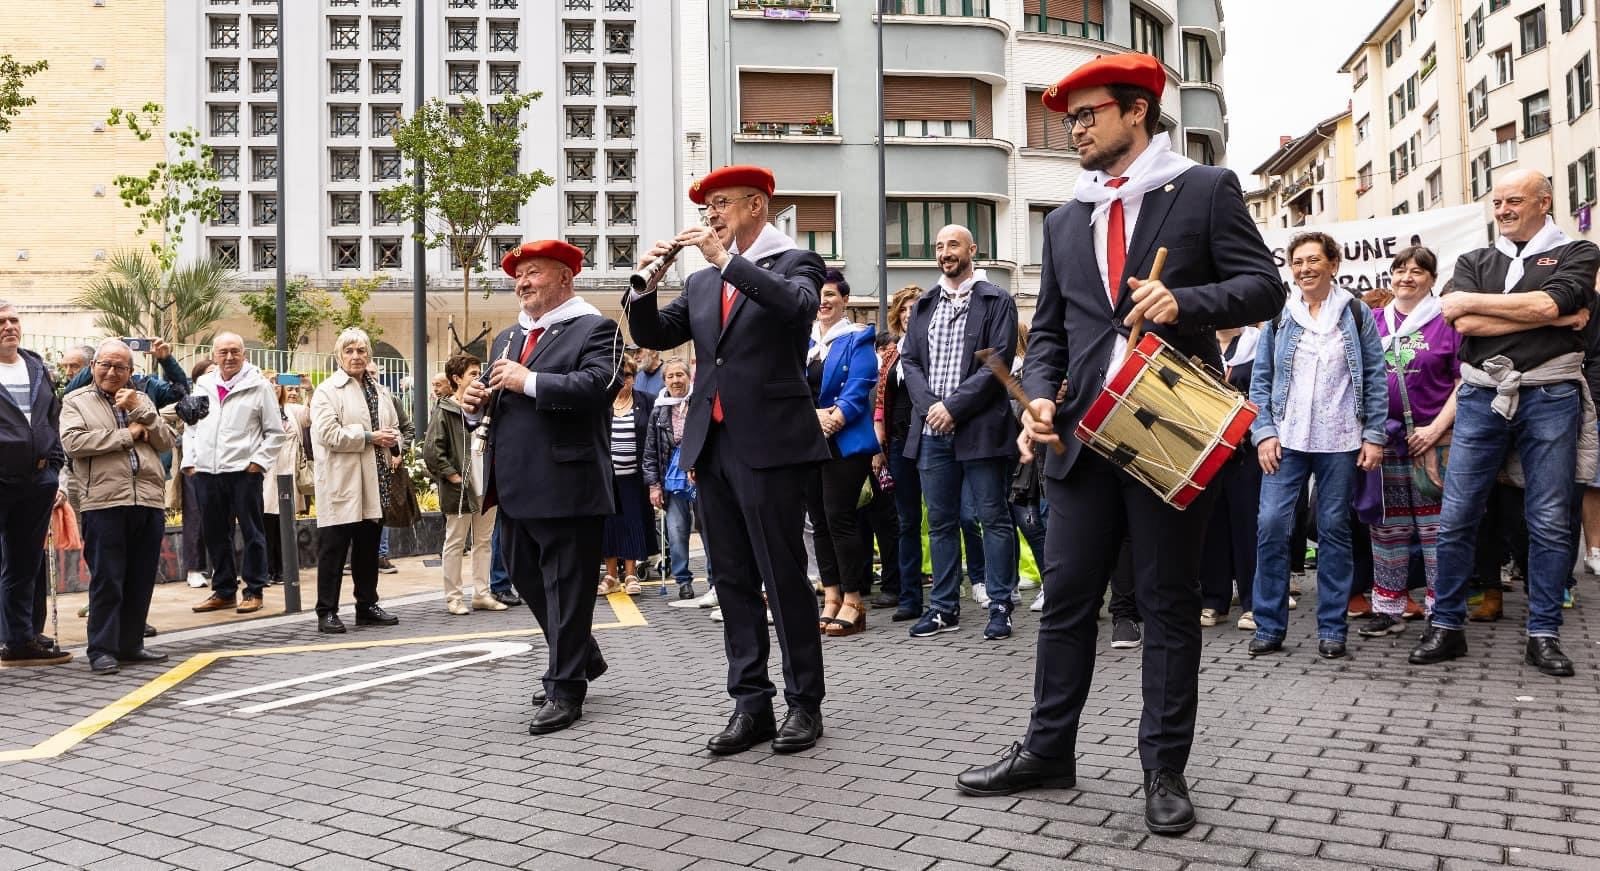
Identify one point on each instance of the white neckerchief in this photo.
(899, 358)
(1327, 319)
(1427, 309)
(1548, 237)
(820, 342)
(958, 292)
(572, 308)
(1153, 168)
(667, 400)
(230, 383)
(1244, 348)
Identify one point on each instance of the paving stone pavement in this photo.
(1299, 763)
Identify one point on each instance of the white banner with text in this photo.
(1369, 246)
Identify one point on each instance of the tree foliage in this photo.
(180, 187)
(355, 292)
(307, 309)
(470, 158)
(136, 297)
(13, 75)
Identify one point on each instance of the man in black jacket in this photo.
(30, 464)
(750, 439)
(548, 462)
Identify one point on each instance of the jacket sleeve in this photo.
(855, 396)
(325, 429)
(1374, 378)
(436, 449)
(794, 297)
(79, 380)
(158, 431)
(1250, 291)
(651, 464)
(408, 430)
(1046, 361)
(592, 383)
(80, 440)
(916, 368)
(1261, 373)
(981, 389)
(175, 377)
(160, 391)
(661, 329)
(1573, 284)
(273, 434)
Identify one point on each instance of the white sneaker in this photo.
(709, 600)
(1247, 621)
(980, 595)
(1028, 584)
(1208, 617)
(1592, 561)
(1038, 603)
(1293, 603)
(716, 615)
(198, 580)
(769, 618)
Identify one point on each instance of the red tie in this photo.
(727, 309)
(1116, 244)
(529, 343)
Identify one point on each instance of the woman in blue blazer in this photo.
(842, 368)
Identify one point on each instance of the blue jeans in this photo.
(1335, 474)
(908, 504)
(680, 520)
(1544, 433)
(972, 540)
(943, 480)
(383, 544)
(1031, 521)
(499, 575)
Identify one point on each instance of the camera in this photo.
(136, 343)
(290, 379)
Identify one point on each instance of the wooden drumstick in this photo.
(1138, 325)
(986, 357)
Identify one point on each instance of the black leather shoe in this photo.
(555, 715)
(510, 600)
(595, 673)
(1262, 647)
(374, 615)
(149, 631)
(1327, 648)
(1167, 809)
(330, 623)
(103, 663)
(142, 655)
(886, 600)
(1439, 645)
(903, 616)
(1545, 654)
(800, 731)
(744, 731)
(1016, 771)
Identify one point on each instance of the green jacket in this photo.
(447, 451)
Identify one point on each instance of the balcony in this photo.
(952, 167)
(787, 10)
(1202, 107)
(946, 8)
(946, 45)
(757, 130)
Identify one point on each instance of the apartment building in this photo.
(1310, 179)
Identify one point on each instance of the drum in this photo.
(1168, 422)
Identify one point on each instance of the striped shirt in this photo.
(14, 381)
(624, 444)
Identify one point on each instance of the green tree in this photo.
(176, 189)
(471, 183)
(355, 292)
(307, 308)
(13, 75)
(136, 297)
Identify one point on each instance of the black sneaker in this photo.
(935, 622)
(999, 621)
(1381, 625)
(685, 591)
(385, 567)
(1126, 635)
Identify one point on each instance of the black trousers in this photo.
(123, 549)
(224, 498)
(24, 523)
(194, 547)
(552, 565)
(359, 541)
(879, 522)
(831, 498)
(269, 523)
(1091, 510)
(1124, 604)
(753, 531)
(1230, 551)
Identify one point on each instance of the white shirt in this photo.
(1130, 219)
(14, 380)
(1320, 414)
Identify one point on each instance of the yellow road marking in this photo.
(627, 614)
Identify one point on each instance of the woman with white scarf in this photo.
(670, 487)
(1319, 384)
(1230, 550)
(842, 367)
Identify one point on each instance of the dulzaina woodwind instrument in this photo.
(480, 435)
(646, 279)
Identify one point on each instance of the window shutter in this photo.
(812, 214)
(1036, 121)
(926, 98)
(1572, 186)
(983, 97)
(1506, 133)
(784, 98)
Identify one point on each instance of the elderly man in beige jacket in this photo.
(356, 428)
(115, 438)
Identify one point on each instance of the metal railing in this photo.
(804, 5)
(951, 8)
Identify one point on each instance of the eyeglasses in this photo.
(721, 204)
(113, 367)
(227, 352)
(1084, 117)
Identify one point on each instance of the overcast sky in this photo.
(1281, 72)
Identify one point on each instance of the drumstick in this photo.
(1138, 325)
(986, 357)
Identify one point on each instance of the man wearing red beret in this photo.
(547, 462)
(1134, 196)
(750, 439)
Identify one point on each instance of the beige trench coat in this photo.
(346, 473)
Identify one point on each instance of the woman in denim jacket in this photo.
(1319, 381)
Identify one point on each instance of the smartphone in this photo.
(290, 379)
(138, 344)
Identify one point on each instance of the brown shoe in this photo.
(215, 603)
(1414, 609)
(1489, 609)
(249, 604)
(1359, 606)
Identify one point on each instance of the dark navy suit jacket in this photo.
(985, 425)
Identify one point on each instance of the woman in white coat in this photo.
(356, 430)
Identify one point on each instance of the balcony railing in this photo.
(780, 8)
(775, 129)
(951, 8)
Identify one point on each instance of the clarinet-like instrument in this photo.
(480, 435)
(646, 279)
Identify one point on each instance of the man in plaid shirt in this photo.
(967, 434)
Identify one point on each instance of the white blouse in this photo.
(1320, 415)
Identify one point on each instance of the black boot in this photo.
(1439, 645)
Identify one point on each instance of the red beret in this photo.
(569, 256)
(758, 177)
(1133, 68)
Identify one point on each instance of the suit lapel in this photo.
(546, 340)
(1153, 210)
(738, 301)
(1080, 250)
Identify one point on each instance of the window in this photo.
(1401, 209)
(1359, 73)
(773, 104)
(1430, 123)
(624, 251)
(225, 33)
(263, 164)
(1505, 144)
(1363, 128)
(619, 5)
(263, 209)
(227, 211)
(1435, 185)
(1196, 59)
(914, 224)
(1402, 100)
(463, 4)
(344, 34)
(224, 120)
(1430, 62)
(1531, 27)
(580, 81)
(344, 208)
(580, 36)
(621, 208)
(385, 164)
(344, 121)
(1364, 179)
(1481, 175)
(1391, 49)
(224, 77)
(1149, 35)
(226, 163)
(1400, 162)
(580, 209)
(1580, 87)
(814, 221)
(1497, 5)
(586, 245)
(463, 35)
(502, 36)
(619, 39)
(919, 107)
(580, 123)
(619, 123)
(1036, 216)
(387, 253)
(580, 166)
(384, 120)
(385, 34)
(1504, 70)
(1473, 29)
(383, 213)
(464, 78)
(225, 252)
(346, 253)
(264, 254)
(1536, 114)
(263, 77)
(1200, 149)
(385, 78)
(1581, 182)
(619, 165)
(619, 81)
(344, 164)
(1478, 103)
(1571, 11)
(264, 32)
(344, 78)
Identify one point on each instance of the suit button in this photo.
(719, 361)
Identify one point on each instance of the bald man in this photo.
(963, 434)
(1521, 304)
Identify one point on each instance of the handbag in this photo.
(305, 477)
(401, 510)
(1420, 481)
